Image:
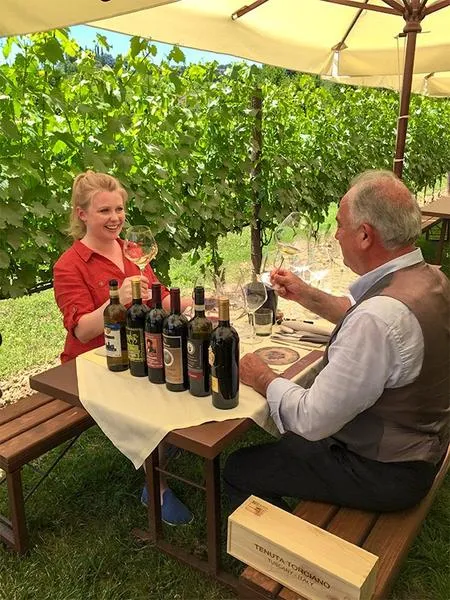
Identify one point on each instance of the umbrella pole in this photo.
(411, 29)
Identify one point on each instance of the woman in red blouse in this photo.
(82, 273)
(81, 281)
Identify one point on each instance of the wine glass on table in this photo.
(140, 246)
(255, 295)
(319, 260)
(206, 280)
(337, 268)
(228, 285)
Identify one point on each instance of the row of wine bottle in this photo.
(170, 349)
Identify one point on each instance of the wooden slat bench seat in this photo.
(388, 535)
(28, 429)
(428, 222)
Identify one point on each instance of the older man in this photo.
(372, 429)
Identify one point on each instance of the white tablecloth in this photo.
(136, 414)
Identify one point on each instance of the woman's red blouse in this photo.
(81, 284)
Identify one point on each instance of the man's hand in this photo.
(326, 305)
(254, 372)
(288, 285)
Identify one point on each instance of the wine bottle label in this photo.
(136, 344)
(112, 340)
(195, 358)
(173, 359)
(214, 384)
(153, 345)
(211, 357)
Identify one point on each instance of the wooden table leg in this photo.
(213, 513)
(154, 499)
(440, 249)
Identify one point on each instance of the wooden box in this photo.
(312, 562)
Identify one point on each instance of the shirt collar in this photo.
(366, 281)
(84, 252)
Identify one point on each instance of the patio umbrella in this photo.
(30, 16)
(330, 37)
(356, 38)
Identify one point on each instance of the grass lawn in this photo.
(80, 520)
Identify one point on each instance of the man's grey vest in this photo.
(411, 422)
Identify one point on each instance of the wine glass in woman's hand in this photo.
(140, 246)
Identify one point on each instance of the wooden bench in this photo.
(388, 535)
(28, 429)
(428, 223)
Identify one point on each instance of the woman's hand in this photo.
(288, 285)
(125, 294)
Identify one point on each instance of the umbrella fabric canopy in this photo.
(427, 84)
(30, 16)
(295, 34)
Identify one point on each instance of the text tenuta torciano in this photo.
(291, 568)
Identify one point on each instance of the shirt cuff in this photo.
(274, 394)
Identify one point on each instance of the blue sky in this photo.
(85, 36)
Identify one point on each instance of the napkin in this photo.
(299, 332)
(323, 328)
(299, 339)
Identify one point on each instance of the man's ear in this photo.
(367, 236)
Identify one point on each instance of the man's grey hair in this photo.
(382, 200)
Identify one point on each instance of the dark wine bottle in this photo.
(175, 346)
(225, 360)
(199, 335)
(153, 337)
(271, 302)
(114, 320)
(135, 331)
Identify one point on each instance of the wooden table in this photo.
(207, 441)
(440, 208)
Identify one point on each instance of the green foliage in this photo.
(181, 139)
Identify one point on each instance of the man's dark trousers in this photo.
(324, 471)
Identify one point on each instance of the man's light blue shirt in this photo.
(380, 345)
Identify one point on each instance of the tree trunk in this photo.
(255, 176)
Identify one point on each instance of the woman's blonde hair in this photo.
(84, 188)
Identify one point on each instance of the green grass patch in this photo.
(32, 332)
(80, 522)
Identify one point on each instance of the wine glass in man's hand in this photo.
(140, 246)
(293, 238)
